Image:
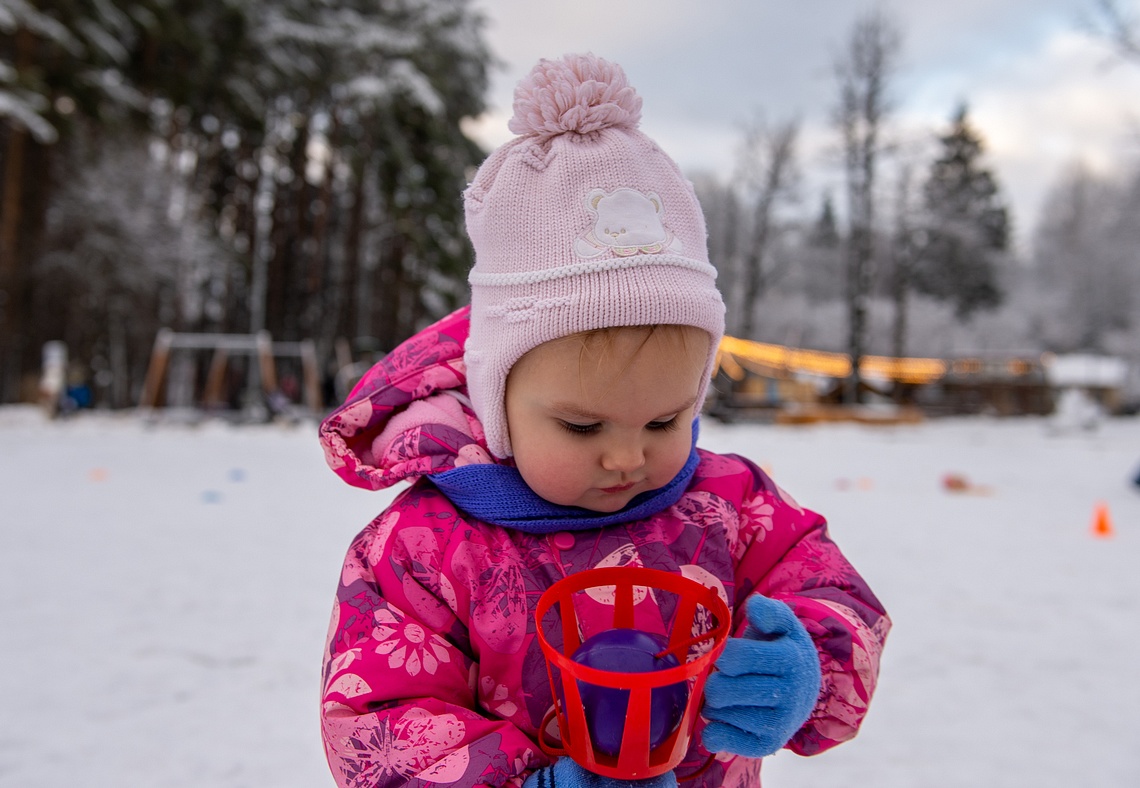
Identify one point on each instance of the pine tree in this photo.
(320, 141)
(371, 245)
(967, 225)
(825, 231)
(61, 62)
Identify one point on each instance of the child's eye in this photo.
(662, 426)
(579, 429)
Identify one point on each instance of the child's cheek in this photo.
(556, 475)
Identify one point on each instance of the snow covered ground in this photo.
(164, 592)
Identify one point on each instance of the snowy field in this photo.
(164, 592)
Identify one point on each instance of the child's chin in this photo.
(607, 504)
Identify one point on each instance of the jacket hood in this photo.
(409, 416)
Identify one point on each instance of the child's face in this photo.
(595, 420)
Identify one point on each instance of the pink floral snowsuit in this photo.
(433, 673)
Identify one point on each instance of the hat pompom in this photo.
(579, 93)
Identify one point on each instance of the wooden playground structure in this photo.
(797, 385)
(261, 377)
(752, 380)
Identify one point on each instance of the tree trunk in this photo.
(350, 323)
(863, 75)
(753, 272)
(13, 274)
(391, 289)
(260, 253)
(772, 151)
(902, 251)
(858, 294)
(317, 285)
(12, 290)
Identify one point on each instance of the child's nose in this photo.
(624, 456)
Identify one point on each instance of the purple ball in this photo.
(628, 651)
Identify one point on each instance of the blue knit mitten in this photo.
(765, 684)
(565, 773)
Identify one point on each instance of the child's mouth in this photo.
(619, 488)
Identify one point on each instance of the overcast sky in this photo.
(1042, 90)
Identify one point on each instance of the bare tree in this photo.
(863, 74)
(721, 205)
(1123, 30)
(767, 172)
(1085, 259)
(903, 253)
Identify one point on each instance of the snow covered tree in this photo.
(966, 225)
(114, 268)
(320, 141)
(767, 176)
(75, 75)
(353, 218)
(1114, 24)
(59, 60)
(902, 258)
(821, 255)
(1085, 263)
(825, 230)
(721, 206)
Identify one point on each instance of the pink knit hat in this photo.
(581, 222)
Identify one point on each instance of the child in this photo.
(550, 428)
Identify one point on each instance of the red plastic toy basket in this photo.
(636, 758)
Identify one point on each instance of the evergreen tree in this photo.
(967, 226)
(113, 269)
(369, 242)
(319, 141)
(61, 62)
(825, 231)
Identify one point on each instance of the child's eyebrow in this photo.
(573, 409)
(570, 409)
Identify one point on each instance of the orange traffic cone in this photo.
(1102, 522)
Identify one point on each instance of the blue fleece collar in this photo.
(498, 495)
